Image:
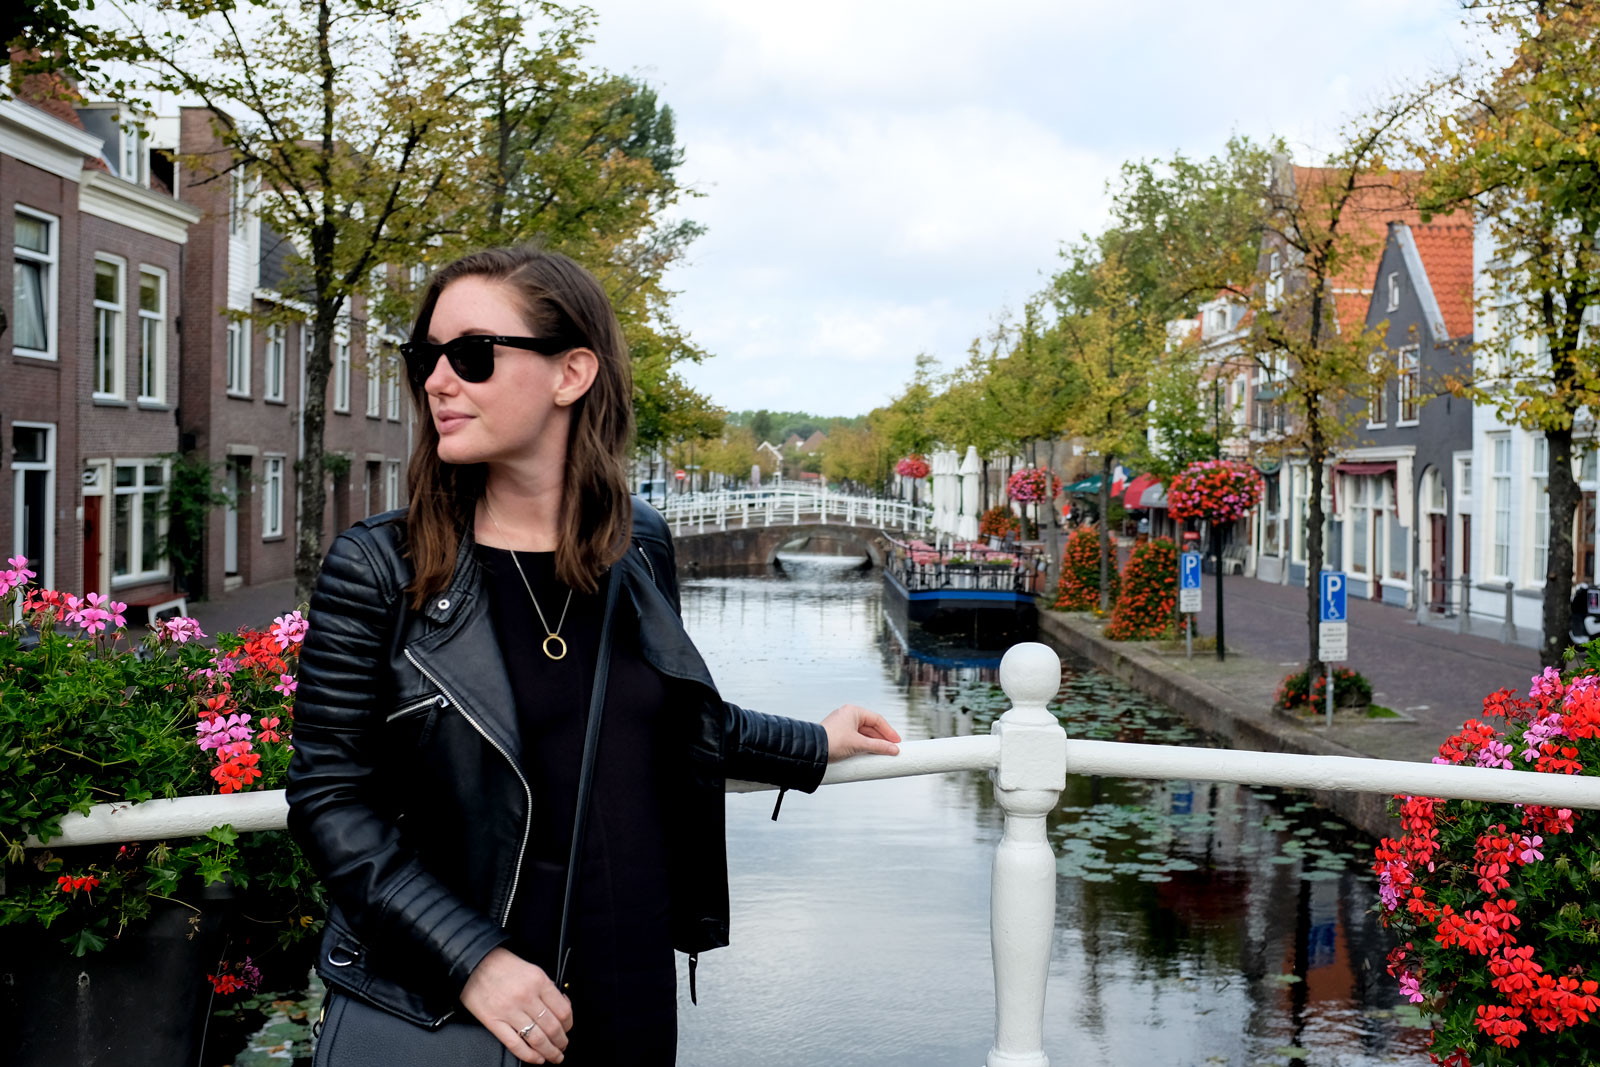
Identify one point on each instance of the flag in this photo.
(1119, 481)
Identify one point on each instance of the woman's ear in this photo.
(578, 369)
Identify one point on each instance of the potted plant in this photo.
(1493, 906)
(1079, 586)
(90, 714)
(1147, 601)
(1351, 692)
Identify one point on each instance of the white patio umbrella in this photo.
(943, 470)
(971, 468)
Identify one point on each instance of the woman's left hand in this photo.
(853, 731)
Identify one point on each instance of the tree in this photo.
(1524, 154)
(962, 415)
(1181, 426)
(347, 122)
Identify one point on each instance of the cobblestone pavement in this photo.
(249, 605)
(1429, 674)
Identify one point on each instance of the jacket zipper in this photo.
(527, 822)
(651, 567)
(417, 705)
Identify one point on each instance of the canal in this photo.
(1196, 924)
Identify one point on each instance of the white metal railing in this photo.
(786, 502)
(1027, 755)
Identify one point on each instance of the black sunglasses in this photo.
(471, 356)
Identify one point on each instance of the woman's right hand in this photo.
(506, 993)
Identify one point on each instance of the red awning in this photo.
(1136, 490)
(1377, 467)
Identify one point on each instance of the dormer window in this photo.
(1219, 320)
(135, 165)
(1394, 290)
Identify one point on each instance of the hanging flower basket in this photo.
(1216, 489)
(1494, 904)
(1029, 485)
(913, 466)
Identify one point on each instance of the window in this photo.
(152, 335)
(391, 369)
(1399, 546)
(138, 523)
(1408, 384)
(341, 377)
(1274, 279)
(419, 275)
(374, 390)
(272, 496)
(1464, 478)
(1360, 518)
(108, 332)
(1394, 290)
(33, 490)
(1500, 500)
(238, 201)
(391, 485)
(1541, 509)
(1378, 398)
(134, 157)
(1300, 491)
(277, 361)
(1271, 529)
(33, 285)
(238, 358)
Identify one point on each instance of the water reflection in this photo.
(1197, 923)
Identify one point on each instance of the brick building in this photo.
(149, 317)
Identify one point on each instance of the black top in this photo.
(622, 972)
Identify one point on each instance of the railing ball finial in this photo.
(1030, 674)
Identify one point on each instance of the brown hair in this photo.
(557, 296)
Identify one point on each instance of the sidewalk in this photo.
(249, 605)
(1435, 679)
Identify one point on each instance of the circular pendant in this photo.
(561, 647)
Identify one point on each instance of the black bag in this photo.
(353, 1033)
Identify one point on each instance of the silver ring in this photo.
(523, 1033)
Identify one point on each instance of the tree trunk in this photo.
(1105, 533)
(1317, 453)
(1563, 489)
(1053, 533)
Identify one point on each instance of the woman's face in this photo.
(522, 410)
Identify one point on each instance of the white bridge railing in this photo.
(784, 503)
(1028, 756)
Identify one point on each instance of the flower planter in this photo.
(142, 1000)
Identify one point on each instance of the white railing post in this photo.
(1022, 899)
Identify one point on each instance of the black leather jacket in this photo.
(406, 789)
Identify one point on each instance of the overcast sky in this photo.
(883, 178)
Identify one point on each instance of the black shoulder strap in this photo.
(591, 744)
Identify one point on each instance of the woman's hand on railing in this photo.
(854, 731)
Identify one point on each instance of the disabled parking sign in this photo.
(1189, 582)
(1333, 626)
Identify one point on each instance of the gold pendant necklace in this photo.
(550, 635)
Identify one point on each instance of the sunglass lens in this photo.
(472, 357)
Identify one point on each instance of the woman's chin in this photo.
(458, 452)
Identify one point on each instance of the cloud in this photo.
(882, 178)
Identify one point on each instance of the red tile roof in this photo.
(1375, 201)
(1446, 251)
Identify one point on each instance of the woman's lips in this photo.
(448, 424)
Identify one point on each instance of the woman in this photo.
(459, 652)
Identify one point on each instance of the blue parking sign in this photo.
(1332, 600)
(1189, 570)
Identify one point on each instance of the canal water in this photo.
(1196, 924)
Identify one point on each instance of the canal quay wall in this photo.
(1232, 701)
(738, 549)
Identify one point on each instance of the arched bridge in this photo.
(738, 529)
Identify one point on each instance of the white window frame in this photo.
(1274, 279)
(374, 390)
(238, 201)
(140, 494)
(271, 495)
(47, 569)
(117, 312)
(275, 354)
(153, 340)
(391, 484)
(1408, 385)
(238, 356)
(50, 267)
(391, 382)
(1300, 510)
(1539, 487)
(1359, 524)
(341, 375)
(1378, 397)
(1394, 291)
(1498, 529)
